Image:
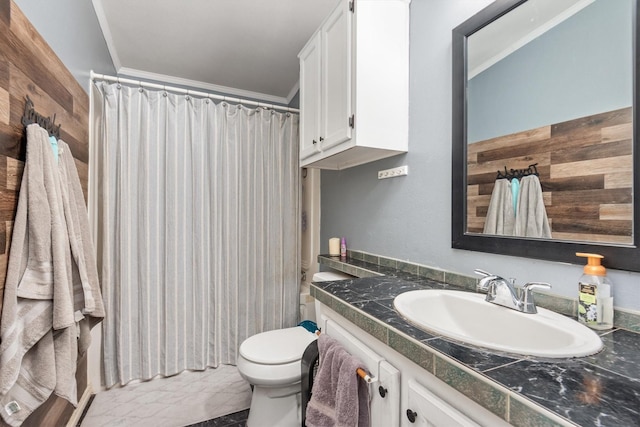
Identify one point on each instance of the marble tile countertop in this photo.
(599, 390)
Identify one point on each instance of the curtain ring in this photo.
(118, 81)
(187, 97)
(164, 88)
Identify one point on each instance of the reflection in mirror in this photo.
(544, 128)
(550, 84)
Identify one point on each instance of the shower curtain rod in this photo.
(96, 76)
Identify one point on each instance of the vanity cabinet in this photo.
(354, 85)
(423, 400)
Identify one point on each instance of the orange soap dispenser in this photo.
(595, 299)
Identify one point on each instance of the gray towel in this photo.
(531, 216)
(51, 284)
(501, 217)
(339, 397)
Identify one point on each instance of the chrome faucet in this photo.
(503, 292)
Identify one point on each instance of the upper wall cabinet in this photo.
(354, 85)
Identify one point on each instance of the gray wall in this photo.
(581, 67)
(72, 30)
(409, 217)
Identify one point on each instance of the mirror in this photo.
(544, 97)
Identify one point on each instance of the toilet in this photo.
(271, 362)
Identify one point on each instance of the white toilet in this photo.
(270, 362)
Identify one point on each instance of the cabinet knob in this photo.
(382, 391)
(411, 416)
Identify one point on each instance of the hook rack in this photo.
(30, 116)
(518, 173)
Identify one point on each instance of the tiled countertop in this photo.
(599, 390)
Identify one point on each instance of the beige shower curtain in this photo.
(196, 223)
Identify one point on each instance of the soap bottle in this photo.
(343, 248)
(595, 299)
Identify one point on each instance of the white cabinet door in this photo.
(310, 98)
(425, 409)
(364, 55)
(337, 61)
(384, 406)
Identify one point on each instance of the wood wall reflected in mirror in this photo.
(585, 168)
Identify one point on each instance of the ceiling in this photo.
(245, 48)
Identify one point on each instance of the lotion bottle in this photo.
(343, 248)
(595, 298)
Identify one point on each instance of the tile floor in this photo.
(237, 419)
(182, 400)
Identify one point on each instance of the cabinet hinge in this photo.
(352, 121)
(352, 5)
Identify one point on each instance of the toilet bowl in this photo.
(271, 362)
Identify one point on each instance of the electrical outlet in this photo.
(392, 173)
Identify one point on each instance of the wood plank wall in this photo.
(586, 171)
(28, 66)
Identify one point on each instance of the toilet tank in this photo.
(307, 302)
(327, 276)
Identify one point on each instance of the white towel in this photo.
(339, 397)
(51, 282)
(531, 216)
(500, 218)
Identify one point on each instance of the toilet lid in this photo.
(278, 346)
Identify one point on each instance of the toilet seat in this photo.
(273, 358)
(277, 347)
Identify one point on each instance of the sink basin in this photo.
(467, 317)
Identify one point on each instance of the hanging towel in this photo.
(500, 218)
(515, 190)
(51, 284)
(531, 216)
(339, 397)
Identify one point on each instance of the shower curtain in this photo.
(196, 213)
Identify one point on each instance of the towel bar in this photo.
(363, 374)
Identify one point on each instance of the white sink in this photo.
(467, 317)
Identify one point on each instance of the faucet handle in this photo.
(528, 303)
(482, 272)
(485, 283)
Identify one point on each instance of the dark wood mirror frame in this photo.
(621, 257)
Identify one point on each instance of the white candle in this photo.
(334, 246)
